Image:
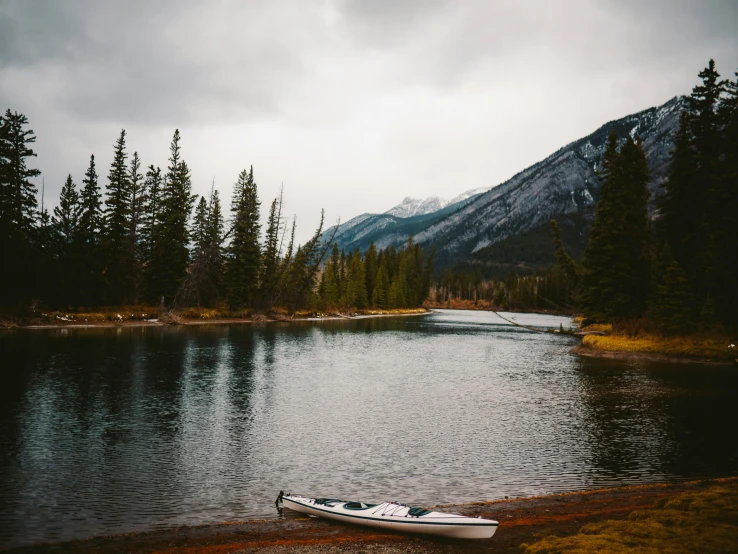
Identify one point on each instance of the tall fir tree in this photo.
(616, 260)
(119, 269)
(90, 233)
(171, 254)
(66, 231)
(135, 246)
(20, 245)
(243, 260)
(150, 224)
(270, 274)
(67, 214)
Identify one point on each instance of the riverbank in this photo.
(190, 316)
(530, 521)
(602, 341)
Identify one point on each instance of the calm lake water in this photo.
(107, 431)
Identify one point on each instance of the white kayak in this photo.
(393, 516)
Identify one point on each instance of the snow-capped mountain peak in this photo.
(410, 207)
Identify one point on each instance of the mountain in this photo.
(410, 207)
(564, 185)
(396, 224)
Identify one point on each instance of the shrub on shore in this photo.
(700, 521)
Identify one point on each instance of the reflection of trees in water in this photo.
(648, 422)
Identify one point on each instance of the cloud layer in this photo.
(352, 104)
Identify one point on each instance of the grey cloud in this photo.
(158, 61)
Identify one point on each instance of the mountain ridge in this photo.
(563, 183)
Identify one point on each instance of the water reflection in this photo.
(118, 430)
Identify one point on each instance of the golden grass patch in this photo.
(692, 522)
(694, 346)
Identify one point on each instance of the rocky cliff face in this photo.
(564, 183)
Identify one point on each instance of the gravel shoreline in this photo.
(521, 521)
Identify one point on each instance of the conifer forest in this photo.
(145, 238)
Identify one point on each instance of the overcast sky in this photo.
(352, 104)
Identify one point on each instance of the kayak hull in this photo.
(395, 517)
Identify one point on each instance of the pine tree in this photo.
(150, 219)
(244, 253)
(90, 233)
(203, 278)
(200, 228)
(379, 293)
(636, 228)
(66, 228)
(135, 246)
(602, 258)
(270, 258)
(616, 278)
(91, 217)
(371, 269)
(67, 214)
(18, 203)
(119, 270)
(171, 255)
(697, 209)
(21, 249)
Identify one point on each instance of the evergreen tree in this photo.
(270, 259)
(67, 215)
(20, 248)
(18, 203)
(371, 269)
(379, 293)
(66, 228)
(616, 260)
(698, 203)
(119, 258)
(135, 246)
(204, 275)
(244, 253)
(200, 228)
(168, 267)
(91, 216)
(90, 233)
(150, 220)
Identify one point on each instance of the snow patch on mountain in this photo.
(411, 207)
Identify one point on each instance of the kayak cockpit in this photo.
(358, 506)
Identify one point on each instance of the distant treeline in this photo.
(139, 242)
(679, 271)
(546, 290)
(388, 278)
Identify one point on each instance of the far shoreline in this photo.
(186, 322)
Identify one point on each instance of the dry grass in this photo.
(693, 522)
(599, 327)
(690, 346)
(457, 304)
(170, 317)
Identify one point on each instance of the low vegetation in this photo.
(700, 521)
(713, 347)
